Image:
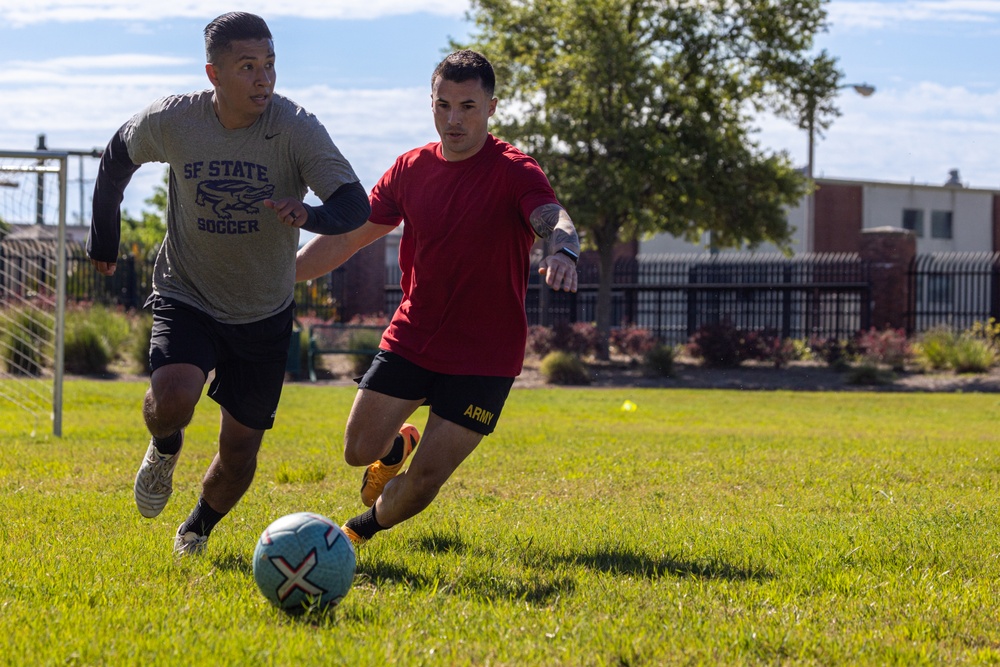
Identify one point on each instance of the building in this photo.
(944, 218)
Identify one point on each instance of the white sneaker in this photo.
(154, 481)
(190, 543)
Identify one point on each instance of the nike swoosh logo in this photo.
(271, 136)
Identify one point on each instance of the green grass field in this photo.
(706, 527)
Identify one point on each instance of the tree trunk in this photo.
(607, 255)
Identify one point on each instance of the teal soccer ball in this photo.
(304, 561)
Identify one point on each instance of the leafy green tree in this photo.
(642, 112)
(143, 236)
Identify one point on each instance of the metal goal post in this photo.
(33, 283)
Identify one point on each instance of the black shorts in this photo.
(249, 359)
(472, 401)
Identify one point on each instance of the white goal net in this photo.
(33, 283)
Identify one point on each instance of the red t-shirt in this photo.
(464, 256)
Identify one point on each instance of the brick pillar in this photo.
(889, 252)
(364, 282)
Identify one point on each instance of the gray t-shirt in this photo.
(225, 253)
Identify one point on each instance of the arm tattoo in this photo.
(545, 218)
(552, 220)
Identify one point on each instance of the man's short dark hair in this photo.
(231, 27)
(466, 65)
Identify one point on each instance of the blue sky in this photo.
(75, 70)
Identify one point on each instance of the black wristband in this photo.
(569, 253)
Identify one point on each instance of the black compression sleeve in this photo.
(113, 175)
(343, 211)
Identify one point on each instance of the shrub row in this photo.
(95, 338)
(975, 350)
(870, 356)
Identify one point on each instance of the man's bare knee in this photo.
(364, 448)
(356, 454)
(171, 398)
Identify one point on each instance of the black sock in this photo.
(201, 520)
(168, 445)
(365, 525)
(395, 454)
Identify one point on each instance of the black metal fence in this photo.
(28, 268)
(954, 289)
(128, 287)
(825, 295)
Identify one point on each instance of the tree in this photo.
(142, 237)
(641, 112)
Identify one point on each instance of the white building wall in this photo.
(973, 223)
(883, 205)
(667, 244)
(972, 214)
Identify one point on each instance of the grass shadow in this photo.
(620, 562)
(234, 562)
(537, 588)
(534, 589)
(441, 543)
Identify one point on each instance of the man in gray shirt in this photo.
(241, 160)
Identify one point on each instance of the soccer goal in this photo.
(33, 283)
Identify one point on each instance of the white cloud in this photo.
(876, 15)
(371, 127)
(19, 13)
(90, 71)
(902, 135)
(115, 61)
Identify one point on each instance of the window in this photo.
(941, 224)
(913, 219)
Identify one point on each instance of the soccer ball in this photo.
(303, 561)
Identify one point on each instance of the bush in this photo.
(142, 332)
(719, 345)
(96, 336)
(935, 349)
(633, 342)
(989, 331)
(801, 350)
(541, 340)
(561, 367)
(837, 353)
(86, 350)
(659, 361)
(768, 346)
(889, 347)
(579, 338)
(114, 326)
(973, 351)
(25, 353)
(972, 354)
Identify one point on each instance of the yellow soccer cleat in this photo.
(378, 474)
(355, 539)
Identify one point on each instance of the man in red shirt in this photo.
(472, 206)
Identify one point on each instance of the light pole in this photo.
(862, 89)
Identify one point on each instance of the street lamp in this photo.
(862, 89)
